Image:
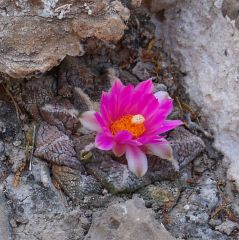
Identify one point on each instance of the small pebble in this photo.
(186, 207)
(227, 227)
(17, 143)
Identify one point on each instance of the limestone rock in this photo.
(3, 168)
(126, 221)
(193, 211)
(65, 226)
(5, 229)
(227, 227)
(207, 47)
(37, 35)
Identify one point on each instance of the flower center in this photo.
(132, 123)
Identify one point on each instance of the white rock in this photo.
(206, 45)
(126, 221)
(227, 227)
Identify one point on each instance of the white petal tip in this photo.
(137, 161)
(89, 121)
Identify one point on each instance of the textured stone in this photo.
(5, 229)
(191, 216)
(38, 210)
(16, 156)
(158, 5)
(37, 92)
(65, 226)
(8, 129)
(230, 8)
(31, 197)
(3, 168)
(209, 56)
(136, 3)
(126, 221)
(74, 72)
(186, 146)
(74, 183)
(162, 195)
(37, 35)
(61, 114)
(227, 227)
(55, 147)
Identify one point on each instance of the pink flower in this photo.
(131, 121)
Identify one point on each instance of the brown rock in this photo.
(158, 5)
(37, 35)
(36, 93)
(55, 147)
(74, 183)
(186, 146)
(136, 3)
(61, 114)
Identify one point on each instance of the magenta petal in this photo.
(100, 120)
(169, 125)
(123, 136)
(145, 87)
(149, 139)
(125, 100)
(114, 99)
(104, 108)
(118, 149)
(137, 160)
(104, 141)
(161, 149)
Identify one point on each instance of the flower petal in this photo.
(88, 120)
(100, 121)
(118, 149)
(123, 136)
(114, 99)
(104, 108)
(161, 149)
(104, 141)
(169, 125)
(145, 87)
(137, 160)
(164, 151)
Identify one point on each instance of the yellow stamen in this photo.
(137, 119)
(132, 123)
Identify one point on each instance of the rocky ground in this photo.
(52, 188)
